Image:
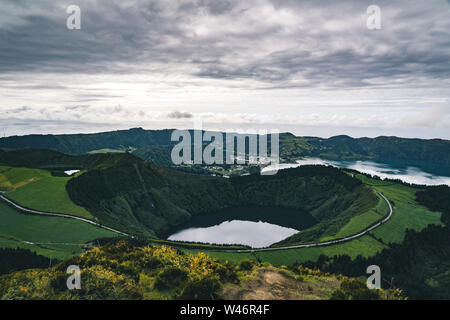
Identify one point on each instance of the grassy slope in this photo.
(363, 220)
(408, 214)
(16, 227)
(365, 246)
(38, 189)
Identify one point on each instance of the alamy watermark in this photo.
(373, 17)
(74, 280)
(73, 21)
(374, 280)
(254, 147)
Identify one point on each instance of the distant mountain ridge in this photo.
(155, 145)
(76, 144)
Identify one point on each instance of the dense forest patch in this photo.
(20, 259)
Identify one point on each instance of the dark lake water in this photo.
(255, 226)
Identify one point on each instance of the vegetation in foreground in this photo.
(123, 271)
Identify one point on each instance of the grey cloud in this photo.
(180, 115)
(15, 126)
(217, 7)
(118, 37)
(431, 117)
(18, 110)
(76, 108)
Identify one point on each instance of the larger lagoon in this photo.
(392, 170)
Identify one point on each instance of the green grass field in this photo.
(365, 220)
(17, 227)
(408, 214)
(39, 190)
(365, 246)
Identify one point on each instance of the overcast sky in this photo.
(309, 67)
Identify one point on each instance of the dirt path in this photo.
(272, 284)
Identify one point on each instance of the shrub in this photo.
(59, 282)
(100, 283)
(353, 289)
(226, 272)
(246, 265)
(171, 277)
(299, 278)
(151, 263)
(201, 289)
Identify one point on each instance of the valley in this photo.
(338, 211)
(364, 211)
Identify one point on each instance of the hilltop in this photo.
(124, 271)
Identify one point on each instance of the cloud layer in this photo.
(281, 60)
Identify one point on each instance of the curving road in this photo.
(61, 215)
(319, 244)
(326, 243)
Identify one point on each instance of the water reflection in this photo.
(255, 234)
(409, 174)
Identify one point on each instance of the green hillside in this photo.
(348, 148)
(409, 214)
(84, 143)
(54, 237)
(40, 190)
